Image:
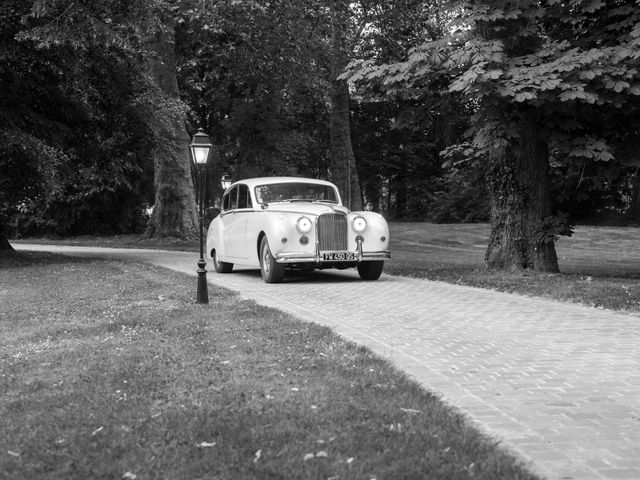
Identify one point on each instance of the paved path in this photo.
(558, 383)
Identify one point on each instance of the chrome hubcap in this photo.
(266, 254)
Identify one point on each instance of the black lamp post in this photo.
(200, 148)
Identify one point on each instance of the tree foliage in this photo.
(70, 128)
(532, 72)
(255, 76)
(454, 101)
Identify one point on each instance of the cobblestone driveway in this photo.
(557, 383)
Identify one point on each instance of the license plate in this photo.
(338, 256)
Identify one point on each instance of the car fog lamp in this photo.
(359, 239)
(304, 225)
(359, 224)
(304, 240)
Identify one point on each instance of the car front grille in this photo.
(332, 231)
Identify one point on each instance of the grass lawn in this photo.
(600, 265)
(109, 370)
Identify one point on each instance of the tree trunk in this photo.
(633, 212)
(400, 184)
(174, 213)
(4, 243)
(343, 163)
(520, 197)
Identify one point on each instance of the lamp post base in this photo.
(203, 292)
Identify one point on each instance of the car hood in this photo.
(308, 208)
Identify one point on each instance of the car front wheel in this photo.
(370, 270)
(220, 267)
(272, 271)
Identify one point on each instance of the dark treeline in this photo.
(519, 113)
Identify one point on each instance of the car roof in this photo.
(253, 182)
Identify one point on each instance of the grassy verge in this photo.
(600, 265)
(109, 370)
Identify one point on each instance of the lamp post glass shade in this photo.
(226, 182)
(200, 147)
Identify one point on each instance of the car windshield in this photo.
(294, 191)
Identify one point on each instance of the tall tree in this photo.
(69, 125)
(343, 163)
(396, 140)
(256, 74)
(174, 213)
(145, 30)
(533, 71)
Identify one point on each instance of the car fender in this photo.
(214, 238)
(275, 229)
(376, 234)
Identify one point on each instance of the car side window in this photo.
(233, 198)
(244, 197)
(225, 202)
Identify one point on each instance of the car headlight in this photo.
(359, 224)
(304, 225)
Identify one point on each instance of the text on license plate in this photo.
(338, 256)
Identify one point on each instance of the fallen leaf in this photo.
(129, 476)
(395, 426)
(258, 455)
(349, 460)
(97, 430)
(295, 389)
(13, 454)
(410, 410)
(205, 444)
(308, 456)
(225, 362)
(322, 454)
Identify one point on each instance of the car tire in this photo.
(220, 267)
(272, 271)
(370, 270)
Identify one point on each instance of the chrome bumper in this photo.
(312, 258)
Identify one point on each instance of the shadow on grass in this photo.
(11, 259)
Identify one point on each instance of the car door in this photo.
(227, 218)
(240, 208)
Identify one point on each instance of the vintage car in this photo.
(279, 223)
